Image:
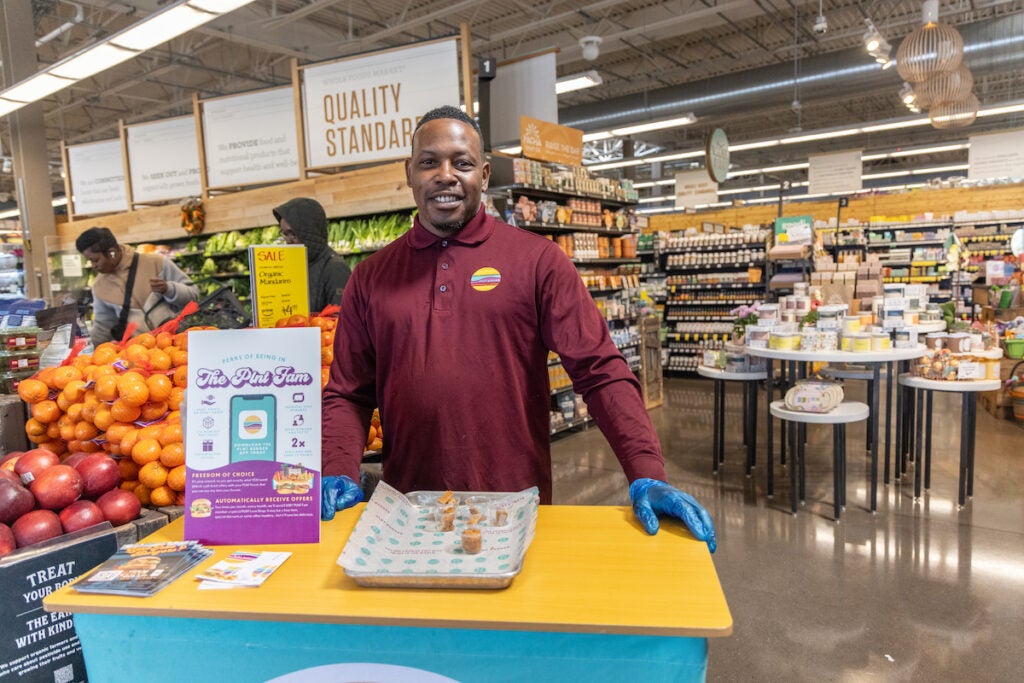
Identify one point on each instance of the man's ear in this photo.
(485, 171)
(408, 177)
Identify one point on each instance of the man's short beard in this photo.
(450, 228)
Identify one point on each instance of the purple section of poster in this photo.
(253, 502)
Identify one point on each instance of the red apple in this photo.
(57, 487)
(15, 500)
(99, 472)
(119, 506)
(73, 459)
(10, 476)
(36, 526)
(7, 542)
(33, 462)
(6, 460)
(79, 515)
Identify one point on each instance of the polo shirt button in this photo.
(444, 266)
(444, 243)
(444, 288)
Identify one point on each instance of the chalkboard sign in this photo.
(40, 646)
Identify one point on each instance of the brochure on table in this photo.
(252, 444)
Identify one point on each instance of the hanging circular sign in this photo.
(716, 155)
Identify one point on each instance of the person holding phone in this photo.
(304, 221)
(159, 290)
(448, 329)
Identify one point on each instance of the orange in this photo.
(62, 402)
(38, 439)
(146, 450)
(74, 445)
(181, 340)
(151, 432)
(128, 441)
(326, 338)
(32, 390)
(87, 446)
(326, 355)
(173, 454)
(176, 478)
(104, 354)
(153, 474)
(103, 371)
(153, 410)
(85, 431)
(137, 355)
(159, 360)
(46, 411)
(34, 427)
(89, 408)
(162, 496)
(141, 492)
(171, 433)
(298, 320)
(176, 398)
(129, 485)
(63, 374)
(128, 468)
(53, 430)
(116, 431)
(74, 390)
(55, 446)
(173, 416)
(123, 412)
(132, 388)
(75, 411)
(325, 374)
(164, 339)
(159, 387)
(46, 376)
(145, 339)
(103, 418)
(67, 427)
(181, 376)
(106, 388)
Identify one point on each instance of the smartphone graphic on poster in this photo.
(253, 427)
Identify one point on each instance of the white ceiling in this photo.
(655, 59)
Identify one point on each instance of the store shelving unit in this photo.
(707, 276)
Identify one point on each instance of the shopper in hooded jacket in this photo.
(303, 221)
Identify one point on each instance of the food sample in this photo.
(472, 540)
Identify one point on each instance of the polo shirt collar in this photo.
(477, 230)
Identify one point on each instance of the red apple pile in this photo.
(42, 498)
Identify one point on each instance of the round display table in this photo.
(749, 380)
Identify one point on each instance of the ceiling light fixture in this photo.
(591, 46)
(580, 81)
(930, 48)
(877, 46)
(156, 29)
(677, 122)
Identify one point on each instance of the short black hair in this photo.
(449, 112)
(97, 239)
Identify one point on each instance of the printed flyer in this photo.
(252, 444)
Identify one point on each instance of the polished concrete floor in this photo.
(919, 591)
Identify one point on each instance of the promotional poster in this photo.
(252, 449)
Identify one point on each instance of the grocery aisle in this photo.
(918, 591)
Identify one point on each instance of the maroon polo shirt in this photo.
(450, 337)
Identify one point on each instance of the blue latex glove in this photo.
(338, 493)
(652, 497)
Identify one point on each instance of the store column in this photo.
(32, 188)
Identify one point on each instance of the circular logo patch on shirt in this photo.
(485, 279)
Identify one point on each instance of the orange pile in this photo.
(125, 401)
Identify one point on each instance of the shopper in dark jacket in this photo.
(303, 221)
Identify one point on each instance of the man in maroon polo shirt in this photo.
(447, 330)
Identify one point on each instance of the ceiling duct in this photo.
(988, 46)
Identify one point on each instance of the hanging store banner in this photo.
(365, 108)
(522, 87)
(164, 160)
(695, 188)
(250, 139)
(278, 277)
(97, 178)
(996, 155)
(545, 141)
(252, 448)
(836, 173)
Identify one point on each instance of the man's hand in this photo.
(652, 497)
(338, 493)
(158, 285)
